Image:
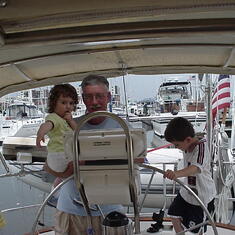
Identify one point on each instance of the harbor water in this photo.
(16, 194)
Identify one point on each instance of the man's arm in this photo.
(191, 170)
(68, 172)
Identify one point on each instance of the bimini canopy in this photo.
(48, 42)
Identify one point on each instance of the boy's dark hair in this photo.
(65, 90)
(94, 80)
(178, 129)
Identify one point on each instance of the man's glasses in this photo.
(97, 96)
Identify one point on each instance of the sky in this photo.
(139, 87)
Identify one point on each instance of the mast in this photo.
(208, 110)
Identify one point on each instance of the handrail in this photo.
(22, 172)
(190, 191)
(4, 163)
(161, 147)
(20, 208)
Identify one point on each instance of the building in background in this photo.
(115, 93)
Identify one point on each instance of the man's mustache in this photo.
(95, 106)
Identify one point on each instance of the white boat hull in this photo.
(198, 120)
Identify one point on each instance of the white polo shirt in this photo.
(201, 183)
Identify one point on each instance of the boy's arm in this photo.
(191, 170)
(68, 172)
(43, 130)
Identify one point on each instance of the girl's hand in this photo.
(43, 130)
(39, 139)
(68, 116)
(69, 119)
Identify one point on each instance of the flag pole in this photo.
(224, 115)
(222, 126)
(233, 124)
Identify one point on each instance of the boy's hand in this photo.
(170, 175)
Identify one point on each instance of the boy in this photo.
(185, 210)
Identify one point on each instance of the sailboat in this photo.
(63, 41)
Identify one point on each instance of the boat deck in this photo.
(167, 230)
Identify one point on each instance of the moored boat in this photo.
(20, 119)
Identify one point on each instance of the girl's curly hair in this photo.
(65, 90)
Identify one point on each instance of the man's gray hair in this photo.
(94, 80)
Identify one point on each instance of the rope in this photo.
(223, 202)
(164, 146)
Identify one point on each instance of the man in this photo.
(71, 217)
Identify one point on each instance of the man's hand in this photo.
(69, 170)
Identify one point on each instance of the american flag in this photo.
(221, 96)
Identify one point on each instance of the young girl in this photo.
(62, 101)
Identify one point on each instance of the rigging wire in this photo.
(124, 90)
